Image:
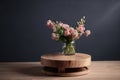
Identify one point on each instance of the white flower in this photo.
(87, 32)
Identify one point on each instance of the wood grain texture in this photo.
(63, 61)
(100, 70)
(66, 65)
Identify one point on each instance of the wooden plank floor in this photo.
(100, 70)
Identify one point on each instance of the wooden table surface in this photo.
(100, 70)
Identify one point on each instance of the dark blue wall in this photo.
(25, 37)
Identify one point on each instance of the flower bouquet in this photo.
(67, 34)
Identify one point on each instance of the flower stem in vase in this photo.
(69, 48)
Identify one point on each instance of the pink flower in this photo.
(65, 26)
(66, 32)
(50, 24)
(87, 32)
(71, 30)
(81, 28)
(55, 36)
(75, 34)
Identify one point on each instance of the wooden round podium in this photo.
(65, 65)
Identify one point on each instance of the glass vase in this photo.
(69, 48)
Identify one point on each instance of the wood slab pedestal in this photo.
(66, 65)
